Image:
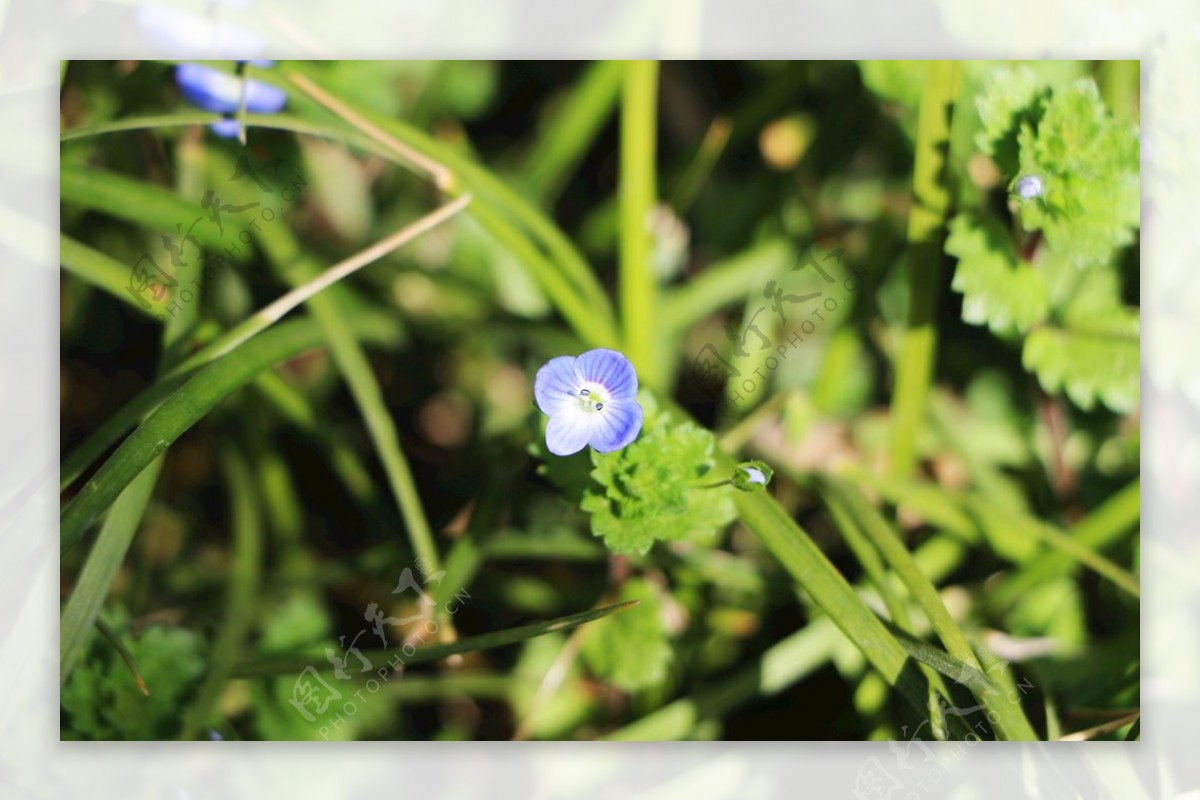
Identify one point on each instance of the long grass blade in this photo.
(282, 665)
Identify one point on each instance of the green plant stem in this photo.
(1010, 720)
(240, 601)
(495, 201)
(876, 571)
(572, 128)
(829, 590)
(275, 311)
(637, 194)
(1099, 529)
(926, 230)
(104, 560)
(294, 663)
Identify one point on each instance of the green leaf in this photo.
(103, 702)
(1011, 98)
(631, 650)
(1094, 357)
(655, 488)
(1089, 166)
(999, 290)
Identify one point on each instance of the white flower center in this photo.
(593, 398)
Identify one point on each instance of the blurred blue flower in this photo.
(213, 90)
(590, 400)
(194, 36)
(1029, 187)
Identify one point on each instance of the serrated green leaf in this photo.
(1089, 166)
(103, 701)
(999, 290)
(1011, 98)
(658, 488)
(1093, 355)
(631, 650)
(1089, 364)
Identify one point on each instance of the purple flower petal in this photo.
(213, 90)
(611, 370)
(556, 382)
(226, 129)
(569, 430)
(619, 425)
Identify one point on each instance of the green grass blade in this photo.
(238, 619)
(271, 313)
(1066, 545)
(373, 328)
(99, 270)
(1099, 529)
(926, 230)
(637, 193)
(152, 207)
(179, 412)
(282, 665)
(495, 201)
(1010, 720)
(830, 590)
(723, 283)
(877, 572)
(103, 562)
(572, 128)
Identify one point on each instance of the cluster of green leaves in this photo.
(1056, 285)
(662, 487)
(102, 699)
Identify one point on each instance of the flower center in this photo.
(592, 398)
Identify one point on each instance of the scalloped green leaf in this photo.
(999, 290)
(658, 488)
(632, 650)
(1089, 166)
(1011, 98)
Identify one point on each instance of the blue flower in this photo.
(213, 90)
(1029, 187)
(590, 400)
(190, 35)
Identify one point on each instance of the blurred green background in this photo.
(276, 519)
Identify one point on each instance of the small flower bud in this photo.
(1029, 187)
(752, 475)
